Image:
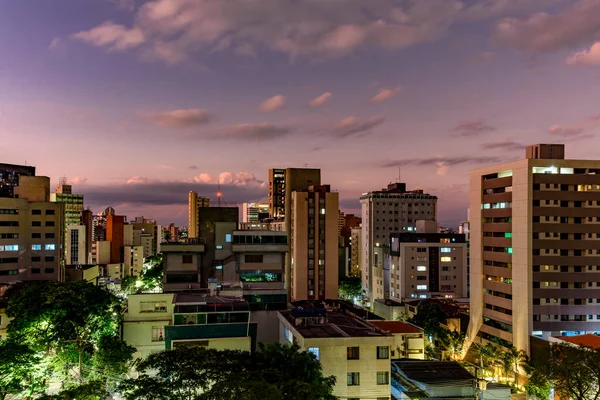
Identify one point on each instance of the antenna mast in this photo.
(219, 194)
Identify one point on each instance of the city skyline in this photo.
(139, 102)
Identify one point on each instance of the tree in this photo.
(21, 370)
(430, 315)
(515, 359)
(74, 325)
(452, 343)
(276, 372)
(350, 289)
(574, 371)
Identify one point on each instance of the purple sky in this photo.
(137, 102)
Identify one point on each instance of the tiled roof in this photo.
(397, 326)
(587, 340)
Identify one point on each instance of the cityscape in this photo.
(376, 240)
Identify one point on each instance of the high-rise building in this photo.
(76, 246)
(73, 207)
(194, 203)
(115, 235)
(394, 209)
(282, 183)
(9, 177)
(30, 233)
(535, 248)
(355, 249)
(427, 264)
(254, 212)
(314, 244)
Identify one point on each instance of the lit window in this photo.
(509, 250)
(486, 206)
(322, 211)
(228, 237)
(10, 247)
(421, 287)
(445, 259)
(445, 250)
(545, 170)
(316, 351)
(219, 267)
(421, 268)
(507, 234)
(50, 247)
(36, 247)
(219, 247)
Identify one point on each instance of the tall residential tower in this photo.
(194, 203)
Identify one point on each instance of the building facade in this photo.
(535, 248)
(9, 178)
(394, 209)
(254, 212)
(194, 203)
(425, 265)
(314, 244)
(76, 246)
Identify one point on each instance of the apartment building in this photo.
(195, 202)
(426, 264)
(76, 246)
(9, 178)
(183, 265)
(314, 244)
(355, 250)
(394, 209)
(254, 212)
(409, 341)
(356, 352)
(535, 247)
(30, 233)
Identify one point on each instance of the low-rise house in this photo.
(409, 341)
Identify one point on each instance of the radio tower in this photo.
(219, 194)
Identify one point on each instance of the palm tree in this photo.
(517, 358)
(453, 343)
(488, 356)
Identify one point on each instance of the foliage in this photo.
(350, 289)
(71, 328)
(276, 372)
(402, 317)
(429, 316)
(152, 276)
(93, 390)
(451, 343)
(21, 371)
(574, 371)
(128, 283)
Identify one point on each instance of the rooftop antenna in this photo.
(399, 175)
(219, 194)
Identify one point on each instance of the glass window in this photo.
(445, 259)
(153, 306)
(445, 250)
(158, 333)
(421, 287)
(353, 378)
(421, 268)
(383, 378)
(383, 352)
(353, 353)
(228, 237)
(36, 247)
(50, 247)
(316, 351)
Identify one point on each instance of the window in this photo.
(383, 352)
(50, 235)
(36, 235)
(36, 259)
(421, 249)
(50, 247)
(288, 335)
(316, 351)
(158, 333)
(353, 353)
(10, 247)
(219, 247)
(383, 378)
(353, 378)
(219, 267)
(11, 211)
(48, 270)
(9, 235)
(421, 268)
(445, 250)
(49, 223)
(421, 287)
(445, 259)
(228, 238)
(153, 306)
(187, 259)
(253, 258)
(49, 258)
(49, 212)
(36, 212)
(10, 223)
(36, 247)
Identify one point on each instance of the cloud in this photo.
(472, 128)
(441, 168)
(586, 57)
(566, 131)
(441, 162)
(508, 145)
(482, 57)
(230, 178)
(183, 118)
(384, 94)
(57, 44)
(124, 5)
(353, 126)
(193, 167)
(576, 25)
(174, 30)
(322, 99)
(273, 103)
(255, 131)
(112, 36)
(78, 180)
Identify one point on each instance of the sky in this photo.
(137, 102)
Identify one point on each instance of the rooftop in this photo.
(322, 322)
(430, 371)
(204, 302)
(397, 326)
(587, 340)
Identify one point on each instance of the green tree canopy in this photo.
(275, 372)
(21, 370)
(350, 288)
(430, 315)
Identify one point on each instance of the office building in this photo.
(428, 264)
(76, 246)
(535, 247)
(354, 351)
(195, 202)
(73, 202)
(9, 178)
(394, 209)
(30, 232)
(254, 212)
(277, 193)
(314, 244)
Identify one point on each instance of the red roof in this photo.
(397, 326)
(587, 340)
